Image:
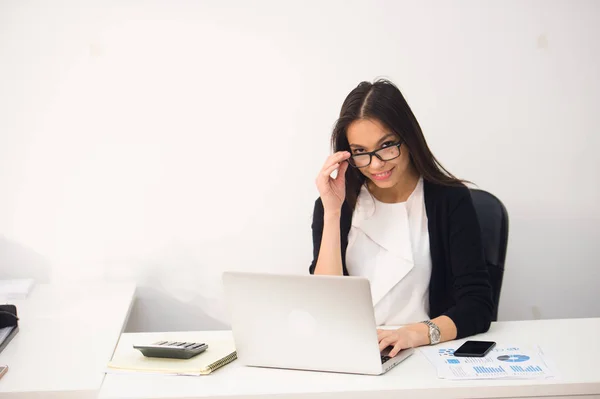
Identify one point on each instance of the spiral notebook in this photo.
(129, 360)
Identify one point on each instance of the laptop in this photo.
(306, 322)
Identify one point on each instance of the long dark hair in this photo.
(383, 101)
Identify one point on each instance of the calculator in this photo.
(172, 349)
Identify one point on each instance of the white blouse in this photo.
(389, 245)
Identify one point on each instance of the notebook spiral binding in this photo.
(220, 363)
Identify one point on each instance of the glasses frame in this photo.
(375, 153)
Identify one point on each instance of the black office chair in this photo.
(493, 219)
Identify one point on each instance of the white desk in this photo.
(66, 336)
(566, 342)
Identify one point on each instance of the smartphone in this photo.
(474, 349)
(3, 370)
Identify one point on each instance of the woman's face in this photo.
(366, 135)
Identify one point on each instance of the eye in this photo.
(388, 144)
(358, 150)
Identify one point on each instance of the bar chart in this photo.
(488, 370)
(528, 369)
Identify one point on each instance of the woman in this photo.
(394, 215)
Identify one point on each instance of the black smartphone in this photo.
(474, 349)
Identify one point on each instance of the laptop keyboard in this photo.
(385, 358)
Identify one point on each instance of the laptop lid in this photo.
(323, 323)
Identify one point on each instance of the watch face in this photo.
(435, 335)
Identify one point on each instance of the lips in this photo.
(382, 176)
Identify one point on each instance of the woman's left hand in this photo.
(401, 338)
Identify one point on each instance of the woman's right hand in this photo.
(333, 191)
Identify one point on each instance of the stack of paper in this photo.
(505, 362)
(4, 333)
(16, 288)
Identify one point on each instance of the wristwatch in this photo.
(434, 332)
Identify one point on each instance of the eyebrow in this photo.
(381, 140)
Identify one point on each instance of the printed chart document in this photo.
(503, 362)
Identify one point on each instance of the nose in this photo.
(376, 163)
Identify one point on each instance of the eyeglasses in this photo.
(383, 154)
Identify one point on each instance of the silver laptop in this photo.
(321, 323)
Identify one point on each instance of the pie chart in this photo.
(513, 358)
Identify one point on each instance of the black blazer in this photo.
(459, 286)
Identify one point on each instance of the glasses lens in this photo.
(389, 153)
(360, 160)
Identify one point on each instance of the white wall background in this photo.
(164, 142)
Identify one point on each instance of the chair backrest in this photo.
(493, 220)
